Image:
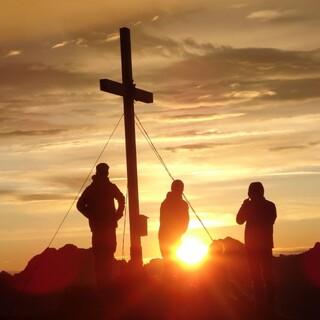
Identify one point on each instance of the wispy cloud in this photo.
(81, 42)
(201, 117)
(238, 5)
(197, 146)
(60, 45)
(13, 53)
(293, 173)
(20, 133)
(44, 197)
(272, 15)
(250, 94)
(112, 37)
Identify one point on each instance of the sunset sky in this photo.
(236, 99)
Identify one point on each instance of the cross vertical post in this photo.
(130, 93)
(131, 153)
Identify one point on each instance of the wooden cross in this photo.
(129, 92)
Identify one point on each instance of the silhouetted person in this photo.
(174, 219)
(97, 204)
(259, 215)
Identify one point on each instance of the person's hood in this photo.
(258, 199)
(99, 179)
(173, 196)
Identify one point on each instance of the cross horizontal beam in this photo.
(118, 89)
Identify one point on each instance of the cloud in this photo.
(273, 15)
(112, 37)
(197, 146)
(296, 147)
(194, 117)
(17, 195)
(81, 42)
(71, 182)
(13, 53)
(40, 76)
(43, 197)
(238, 5)
(4, 192)
(78, 16)
(285, 148)
(250, 94)
(60, 45)
(22, 133)
(228, 74)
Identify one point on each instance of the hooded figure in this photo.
(259, 215)
(97, 204)
(174, 219)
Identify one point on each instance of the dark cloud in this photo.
(191, 116)
(314, 143)
(224, 74)
(285, 148)
(197, 146)
(46, 20)
(6, 192)
(70, 181)
(293, 89)
(295, 147)
(14, 194)
(179, 133)
(19, 133)
(28, 77)
(43, 197)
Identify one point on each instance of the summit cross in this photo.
(130, 93)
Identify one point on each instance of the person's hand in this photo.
(119, 214)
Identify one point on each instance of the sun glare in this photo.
(191, 251)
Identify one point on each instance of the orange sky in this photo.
(236, 88)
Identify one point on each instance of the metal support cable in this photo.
(153, 147)
(124, 225)
(28, 280)
(85, 181)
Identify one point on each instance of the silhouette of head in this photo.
(256, 190)
(177, 187)
(102, 170)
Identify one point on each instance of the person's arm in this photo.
(83, 203)
(273, 213)
(187, 218)
(121, 202)
(161, 214)
(243, 212)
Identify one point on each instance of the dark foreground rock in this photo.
(59, 284)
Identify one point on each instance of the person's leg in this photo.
(255, 274)
(164, 246)
(104, 245)
(108, 248)
(267, 272)
(98, 255)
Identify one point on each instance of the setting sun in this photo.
(191, 251)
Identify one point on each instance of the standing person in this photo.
(174, 219)
(97, 204)
(259, 215)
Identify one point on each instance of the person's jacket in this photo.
(174, 216)
(97, 203)
(259, 215)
